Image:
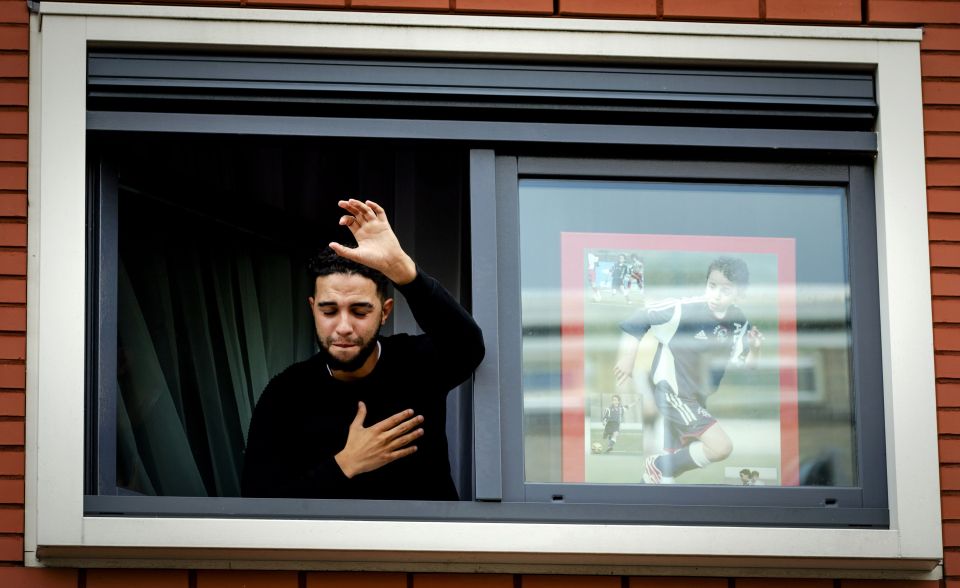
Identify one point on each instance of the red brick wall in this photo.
(13, 269)
(941, 91)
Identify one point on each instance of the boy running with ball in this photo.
(688, 330)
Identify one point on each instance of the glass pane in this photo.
(685, 333)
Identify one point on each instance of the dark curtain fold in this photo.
(202, 329)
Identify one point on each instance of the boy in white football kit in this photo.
(688, 330)
(613, 415)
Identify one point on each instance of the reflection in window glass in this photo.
(686, 334)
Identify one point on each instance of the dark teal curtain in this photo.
(202, 327)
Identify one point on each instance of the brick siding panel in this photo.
(946, 311)
(13, 263)
(949, 450)
(939, 66)
(13, 65)
(946, 338)
(945, 254)
(11, 521)
(13, 290)
(951, 560)
(245, 579)
(712, 9)
(940, 39)
(913, 11)
(678, 582)
(354, 580)
(506, 6)
(14, 12)
(11, 463)
(948, 395)
(942, 145)
(945, 283)
(941, 119)
(785, 583)
(13, 150)
(463, 581)
(299, 3)
(947, 366)
(12, 318)
(814, 10)
(941, 93)
(11, 492)
(20, 577)
(950, 479)
(13, 205)
(11, 548)
(536, 581)
(635, 8)
(13, 177)
(943, 173)
(12, 375)
(948, 422)
(137, 578)
(403, 4)
(14, 37)
(944, 229)
(889, 583)
(943, 200)
(950, 507)
(14, 93)
(11, 433)
(951, 534)
(13, 347)
(14, 403)
(13, 234)
(13, 122)
(227, 3)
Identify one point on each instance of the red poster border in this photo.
(572, 249)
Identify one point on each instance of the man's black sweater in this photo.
(302, 418)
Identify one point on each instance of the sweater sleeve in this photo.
(454, 338)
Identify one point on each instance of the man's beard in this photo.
(349, 365)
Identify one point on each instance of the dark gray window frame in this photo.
(491, 176)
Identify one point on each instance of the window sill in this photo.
(482, 547)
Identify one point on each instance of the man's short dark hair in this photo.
(327, 262)
(732, 268)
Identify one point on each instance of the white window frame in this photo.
(58, 532)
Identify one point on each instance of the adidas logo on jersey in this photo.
(701, 335)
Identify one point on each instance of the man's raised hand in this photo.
(377, 245)
(369, 448)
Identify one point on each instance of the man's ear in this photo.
(387, 309)
(310, 301)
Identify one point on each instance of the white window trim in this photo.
(57, 532)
